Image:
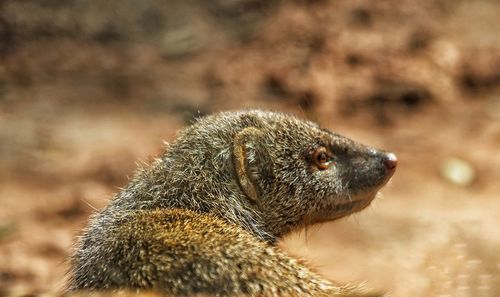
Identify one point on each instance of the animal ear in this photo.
(247, 156)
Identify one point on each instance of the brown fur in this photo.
(205, 217)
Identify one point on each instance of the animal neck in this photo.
(203, 188)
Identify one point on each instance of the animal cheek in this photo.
(332, 173)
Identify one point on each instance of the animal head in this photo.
(297, 173)
(268, 172)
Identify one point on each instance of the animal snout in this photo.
(390, 161)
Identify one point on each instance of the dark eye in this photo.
(321, 158)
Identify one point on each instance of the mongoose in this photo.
(205, 216)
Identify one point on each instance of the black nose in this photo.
(390, 161)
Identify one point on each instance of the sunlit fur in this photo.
(196, 180)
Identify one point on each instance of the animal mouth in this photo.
(352, 205)
(344, 208)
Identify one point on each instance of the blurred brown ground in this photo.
(89, 88)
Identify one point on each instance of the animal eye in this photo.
(321, 158)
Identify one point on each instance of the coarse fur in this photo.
(204, 218)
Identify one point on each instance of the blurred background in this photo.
(89, 88)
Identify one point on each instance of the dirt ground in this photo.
(90, 88)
